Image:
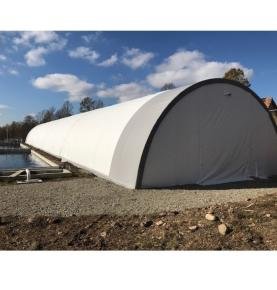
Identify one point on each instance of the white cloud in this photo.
(38, 37)
(92, 37)
(187, 67)
(75, 88)
(41, 43)
(101, 86)
(135, 58)
(57, 45)
(109, 61)
(8, 69)
(125, 92)
(13, 71)
(35, 56)
(84, 53)
(3, 107)
(3, 57)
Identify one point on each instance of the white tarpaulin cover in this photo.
(215, 131)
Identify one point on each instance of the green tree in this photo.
(167, 86)
(237, 74)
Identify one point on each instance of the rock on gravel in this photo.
(193, 228)
(223, 229)
(159, 223)
(210, 217)
(103, 234)
(30, 220)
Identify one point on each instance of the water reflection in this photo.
(15, 161)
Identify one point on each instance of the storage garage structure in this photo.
(215, 131)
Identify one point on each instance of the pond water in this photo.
(15, 161)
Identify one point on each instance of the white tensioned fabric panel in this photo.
(89, 139)
(92, 140)
(50, 136)
(129, 149)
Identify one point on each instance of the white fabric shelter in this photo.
(215, 131)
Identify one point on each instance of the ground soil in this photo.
(252, 225)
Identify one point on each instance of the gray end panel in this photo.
(211, 137)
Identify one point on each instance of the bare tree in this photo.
(65, 111)
(88, 104)
(98, 104)
(46, 115)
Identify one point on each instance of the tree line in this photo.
(20, 130)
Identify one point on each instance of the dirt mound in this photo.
(248, 225)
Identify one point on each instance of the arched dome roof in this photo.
(166, 139)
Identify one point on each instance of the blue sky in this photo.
(43, 69)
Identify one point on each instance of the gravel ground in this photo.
(95, 196)
(246, 225)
